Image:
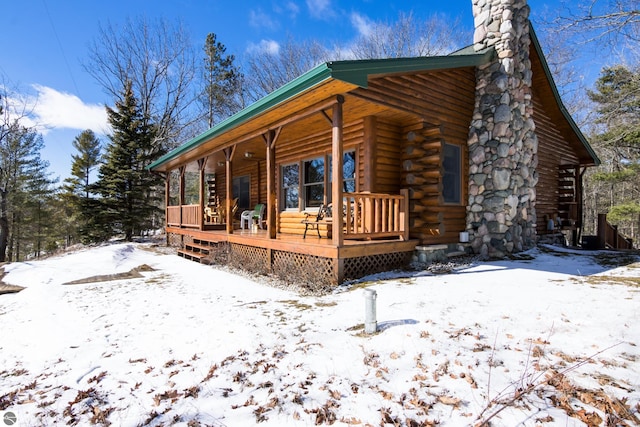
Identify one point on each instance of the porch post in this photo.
(370, 148)
(602, 231)
(167, 200)
(404, 213)
(228, 154)
(270, 142)
(181, 191)
(201, 164)
(336, 172)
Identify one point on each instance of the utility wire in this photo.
(64, 57)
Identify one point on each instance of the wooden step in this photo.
(207, 242)
(198, 247)
(192, 255)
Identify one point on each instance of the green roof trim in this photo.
(358, 71)
(556, 94)
(353, 71)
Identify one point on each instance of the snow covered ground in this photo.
(550, 339)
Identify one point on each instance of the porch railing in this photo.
(610, 237)
(185, 216)
(375, 215)
(366, 215)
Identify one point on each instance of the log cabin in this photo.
(406, 152)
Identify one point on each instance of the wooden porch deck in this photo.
(311, 245)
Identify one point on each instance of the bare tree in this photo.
(561, 56)
(615, 22)
(409, 36)
(158, 59)
(267, 70)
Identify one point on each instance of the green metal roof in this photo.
(355, 72)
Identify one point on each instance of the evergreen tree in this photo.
(39, 228)
(24, 188)
(88, 148)
(617, 96)
(221, 82)
(129, 199)
(78, 191)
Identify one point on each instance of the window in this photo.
(348, 173)
(191, 188)
(242, 191)
(308, 189)
(451, 182)
(313, 184)
(290, 185)
(174, 188)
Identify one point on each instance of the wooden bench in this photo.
(314, 220)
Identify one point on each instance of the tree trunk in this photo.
(4, 226)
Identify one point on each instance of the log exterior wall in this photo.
(441, 100)
(556, 160)
(299, 150)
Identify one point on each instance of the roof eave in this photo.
(359, 71)
(295, 87)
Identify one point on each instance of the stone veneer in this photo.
(503, 146)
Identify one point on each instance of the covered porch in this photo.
(313, 260)
(307, 159)
(292, 173)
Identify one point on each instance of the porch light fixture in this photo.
(248, 154)
(220, 164)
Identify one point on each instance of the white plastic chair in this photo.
(245, 218)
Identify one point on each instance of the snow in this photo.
(550, 338)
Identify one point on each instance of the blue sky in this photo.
(48, 41)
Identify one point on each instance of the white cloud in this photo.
(266, 46)
(259, 19)
(64, 110)
(293, 9)
(50, 109)
(289, 9)
(319, 8)
(362, 24)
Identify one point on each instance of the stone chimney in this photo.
(503, 146)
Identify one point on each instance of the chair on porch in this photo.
(313, 221)
(234, 209)
(257, 214)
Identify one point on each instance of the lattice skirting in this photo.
(310, 270)
(176, 240)
(355, 268)
(249, 258)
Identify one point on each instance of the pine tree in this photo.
(78, 189)
(129, 199)
(88, 148)
(39, 228)
(221, 82)
(617, 95)
(24, 187)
